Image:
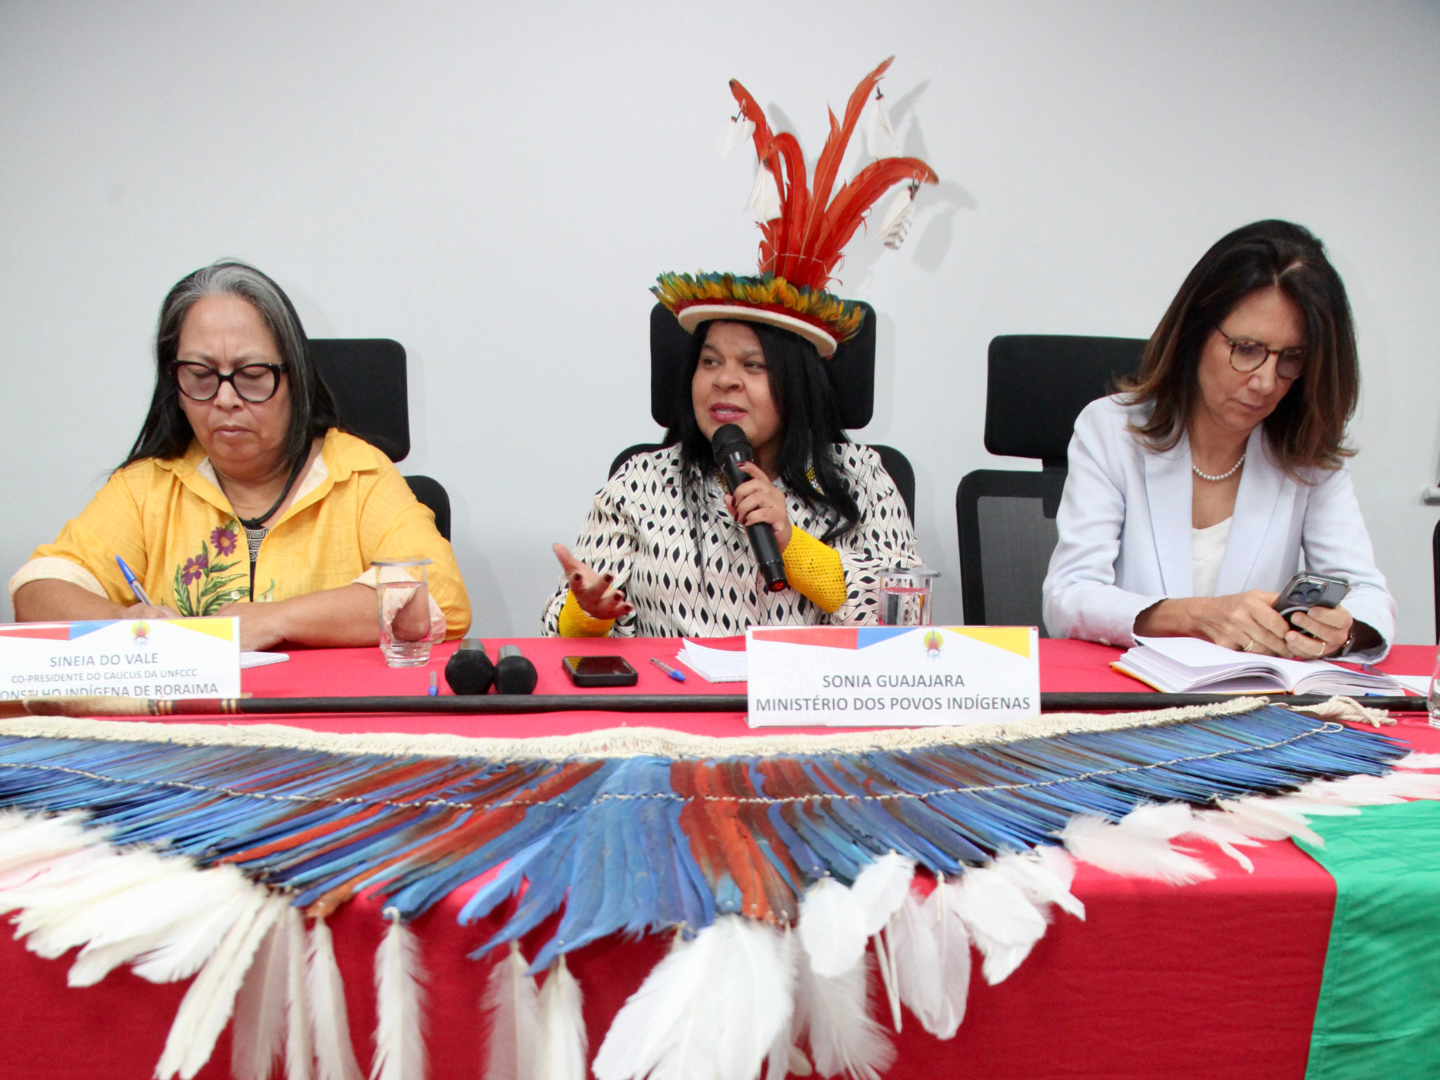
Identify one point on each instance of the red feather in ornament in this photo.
(803, 244)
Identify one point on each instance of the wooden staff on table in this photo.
(511, 704)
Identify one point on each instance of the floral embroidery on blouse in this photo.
(202, 586)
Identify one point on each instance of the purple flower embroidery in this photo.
(224, 542)
(194, 570)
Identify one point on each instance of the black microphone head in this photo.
(469, 670)
(514, 674)
(730, 439)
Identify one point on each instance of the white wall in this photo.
(496, 185)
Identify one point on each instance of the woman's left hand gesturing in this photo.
(758, 500)
(1326, 631)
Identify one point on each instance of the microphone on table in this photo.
(469, 670)
(732, 447)
(514, 674)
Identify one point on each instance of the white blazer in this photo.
(1125, 540)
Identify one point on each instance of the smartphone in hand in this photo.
(1305, 591)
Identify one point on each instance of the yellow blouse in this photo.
(175, 528)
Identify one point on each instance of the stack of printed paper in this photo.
(713, 665)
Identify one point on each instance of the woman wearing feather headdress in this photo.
(664, 551)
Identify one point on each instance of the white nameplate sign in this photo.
(892, 676)
(138, 658)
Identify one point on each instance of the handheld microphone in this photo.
(469, 670)
(732, 447)
(514, 674)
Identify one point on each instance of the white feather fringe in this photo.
(260, 1009)
(399, 1006)
(833, 1014)
(513, 1005)
(711, 1010)
(832, 927)
(1002, 921)
(299, 1035)
(1130, 853)
(881, 888)
(1044, 876)
(930, 949)
(329, 1020)
(563, 1041)
(207, 1005)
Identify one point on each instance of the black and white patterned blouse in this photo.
(699, 578)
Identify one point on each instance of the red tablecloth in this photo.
(1216, 980)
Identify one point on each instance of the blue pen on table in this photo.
(134, 585)
(434, 685)
(678, 676)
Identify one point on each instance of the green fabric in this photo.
(1379, 1009)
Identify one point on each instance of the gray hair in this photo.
(167, 433)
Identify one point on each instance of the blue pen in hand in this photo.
(678, 676)
(134, 585)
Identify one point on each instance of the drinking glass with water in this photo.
(402, 590)
(905, 596)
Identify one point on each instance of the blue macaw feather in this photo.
(414, 890)
(504, 885)
(546, 893)
(696, 898)
(804, 856)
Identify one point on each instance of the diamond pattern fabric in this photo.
(686, 565)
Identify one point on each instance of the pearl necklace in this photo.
(1224, 475)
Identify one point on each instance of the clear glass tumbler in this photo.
(402, 589)
(1434, 699)
(905, 596)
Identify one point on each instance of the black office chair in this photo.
(366, 376)
(852, 368)
(1037, 386)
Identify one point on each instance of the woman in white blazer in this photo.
(1198, 490)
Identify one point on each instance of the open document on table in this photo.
(1179, 665)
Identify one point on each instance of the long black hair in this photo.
(804, 395)
(166, 432)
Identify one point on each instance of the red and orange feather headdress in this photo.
(801, 247)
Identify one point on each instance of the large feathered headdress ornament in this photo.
(803, 230)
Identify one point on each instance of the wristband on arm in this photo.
(814, 571)
(574, 622)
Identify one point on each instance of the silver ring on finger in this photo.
(1249, 644)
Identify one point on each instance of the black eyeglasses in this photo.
(1247, 356)
(252, 382)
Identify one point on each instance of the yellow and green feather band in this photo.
(840, 317)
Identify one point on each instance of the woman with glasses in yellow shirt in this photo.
(1194, 493)
(241, 495)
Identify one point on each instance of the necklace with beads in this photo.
(1224, 475)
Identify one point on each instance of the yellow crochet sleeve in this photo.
(573, 622)
(814, 571)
